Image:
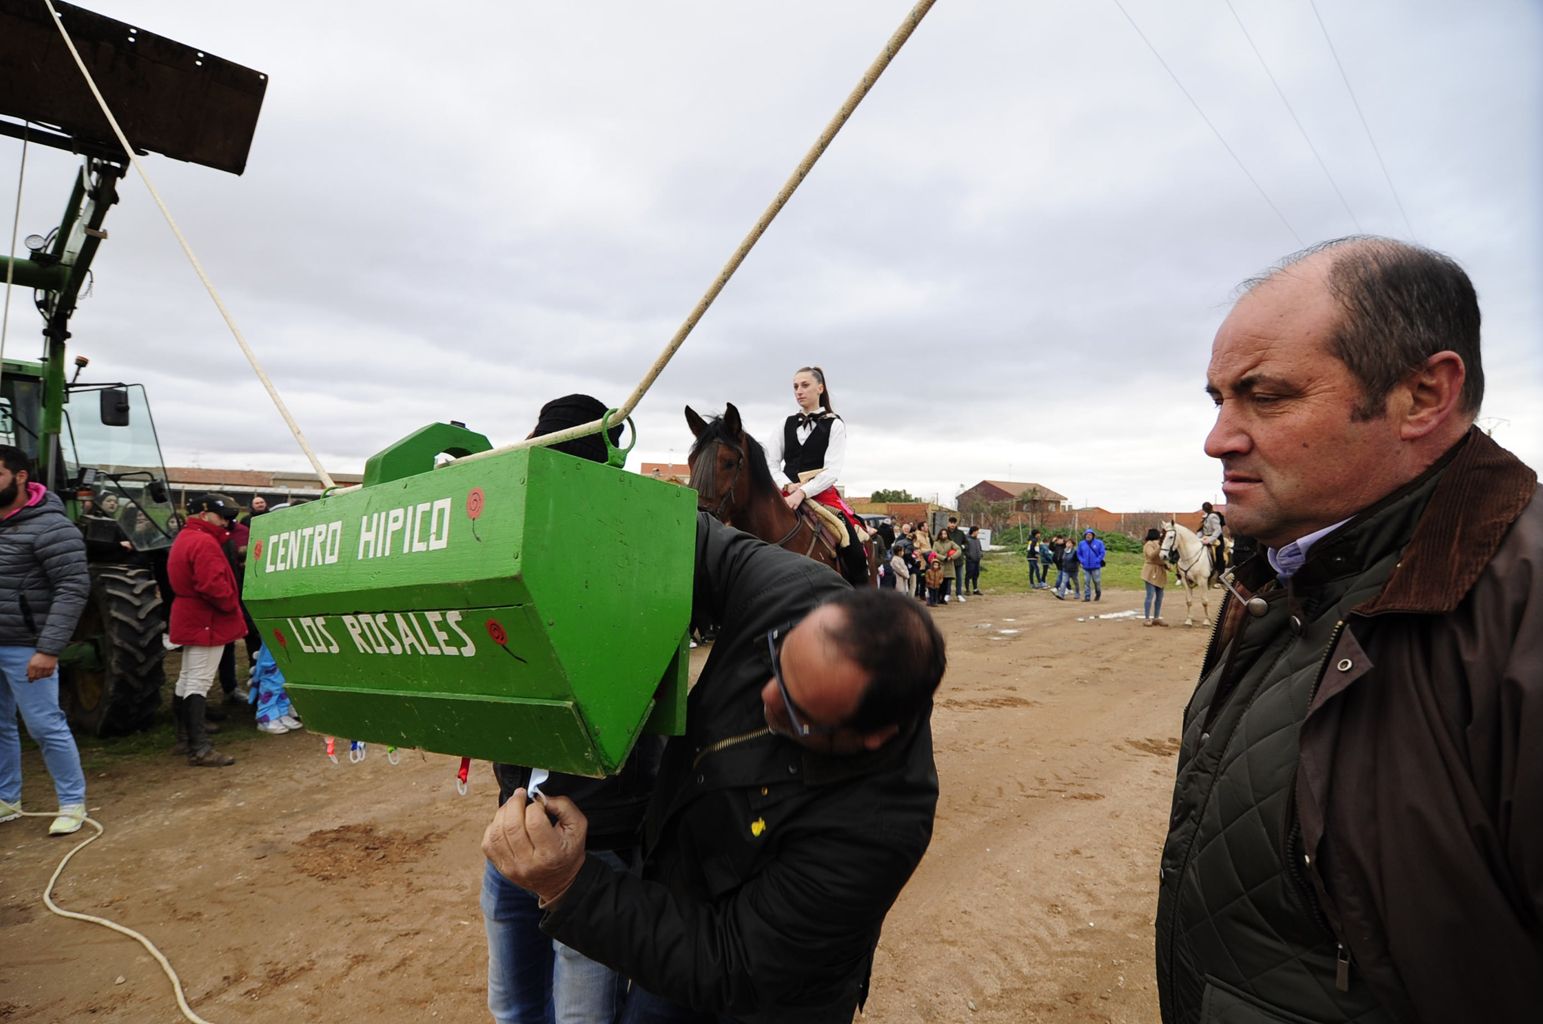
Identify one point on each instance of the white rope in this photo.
(875, 69)
(246, 350)
(48, 900)
(10, 264)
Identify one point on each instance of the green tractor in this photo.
(95, 445)
(106, 463)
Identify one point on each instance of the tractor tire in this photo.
(111, 675)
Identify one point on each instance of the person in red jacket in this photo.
(205, 617)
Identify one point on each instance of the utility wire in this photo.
(1359, 113)
(1217, 132)
(1295, 120)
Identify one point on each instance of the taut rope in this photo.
(882, 61)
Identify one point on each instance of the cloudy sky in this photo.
(1010, 264)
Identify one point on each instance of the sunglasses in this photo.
(796, 718)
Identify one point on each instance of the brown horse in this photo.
(732, 481)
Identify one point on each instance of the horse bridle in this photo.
(710, 477)
(1173, 531)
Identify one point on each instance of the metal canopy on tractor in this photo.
(168, 97)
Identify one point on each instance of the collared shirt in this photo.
(835, 456)
(1287, 560)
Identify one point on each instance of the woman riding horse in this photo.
(808, 456)
(729, 472)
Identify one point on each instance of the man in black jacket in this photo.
(786, 820)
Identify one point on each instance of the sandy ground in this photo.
(289, 889)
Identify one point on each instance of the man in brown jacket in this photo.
(1357, 825)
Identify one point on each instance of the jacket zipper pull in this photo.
(1342, 969)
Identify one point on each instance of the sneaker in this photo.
(9, 811)
(166, 642)
(69, 820)
(1060, 596)
(961, 599)
(237, 696)
(1159, 622)
(974, 593)
(273, 727)
(693, 645)
(291, 723)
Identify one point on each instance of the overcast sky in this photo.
(1011, 263)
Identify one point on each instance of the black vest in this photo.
(802, 458)
(1240, 933)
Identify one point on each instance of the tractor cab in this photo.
(113, 460)
(112, 476)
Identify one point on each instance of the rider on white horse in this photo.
(1211, 536)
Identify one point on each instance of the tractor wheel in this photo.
(111, 674)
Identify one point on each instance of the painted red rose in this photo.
(496, 632)
(474, 500)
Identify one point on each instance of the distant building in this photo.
(1003, 503)
(241, 484)
(675, 472)
(905, 511)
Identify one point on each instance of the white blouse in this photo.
(835, 457)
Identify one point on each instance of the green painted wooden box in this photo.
(527, 607)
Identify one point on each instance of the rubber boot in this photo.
(201, 753)
(180, 720)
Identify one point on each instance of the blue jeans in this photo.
(1152, 607)
(959, 577)
(643, 1007)
(1036, 574)
(1092, 582)
(1063, 580)
(39, 705)
(534, 979)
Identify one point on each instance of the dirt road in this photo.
(288, 889)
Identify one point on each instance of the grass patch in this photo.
(1007, 572)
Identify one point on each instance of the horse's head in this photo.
(1170, 537)
(720, 461)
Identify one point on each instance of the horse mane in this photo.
(760, 473)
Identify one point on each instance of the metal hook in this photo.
(1255, 606)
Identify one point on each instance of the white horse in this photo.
(1194, 567)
